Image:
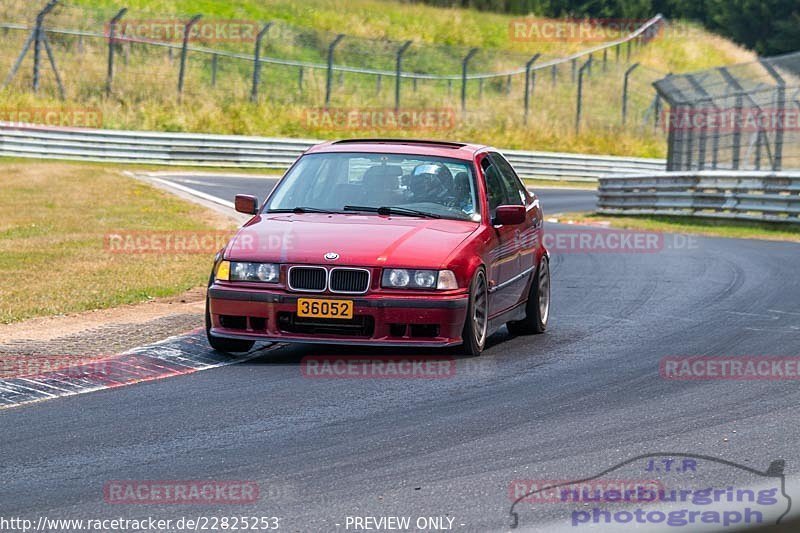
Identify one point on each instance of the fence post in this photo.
(329, 76)
(656, 111)
(35, 36)
(579, 104)
(464, 63)
(112, 30)
(737, 131)
(629, 52)
(214, 61)
(670, 139)
(38, 40)
(398, 69)
(300, 80)
(574, 68)
(257, 62)
(625, 92)
(605, 58)
(528, 66)
(777, 162)
(184, 49)
(554, 74)
(689, 137)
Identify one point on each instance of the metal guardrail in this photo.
(206, 150)
(747, 195)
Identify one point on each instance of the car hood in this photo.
(360, 240)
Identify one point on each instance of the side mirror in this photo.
(247, 204)
(509, 215)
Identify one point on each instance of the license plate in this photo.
(318, 308)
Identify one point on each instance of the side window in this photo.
(495, 191)
(517, 195)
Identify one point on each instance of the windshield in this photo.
(346, 182)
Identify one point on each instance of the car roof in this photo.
(453, 150)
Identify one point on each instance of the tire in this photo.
(222, 344)
(476, 323)
(537, 308)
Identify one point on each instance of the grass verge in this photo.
(217, 98)
(738, 229)
(53, 221)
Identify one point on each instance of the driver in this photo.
(430, 182)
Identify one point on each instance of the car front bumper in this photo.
(431, 320)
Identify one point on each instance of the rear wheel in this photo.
(537, 309)
(477, 321)
(221, 344)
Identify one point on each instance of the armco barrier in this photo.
(195, 149)
(749, 195)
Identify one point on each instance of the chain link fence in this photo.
(741, 117)
(130, 63)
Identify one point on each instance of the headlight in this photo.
(425, 278)
(398, 278)
(402, 278)
(238, 271)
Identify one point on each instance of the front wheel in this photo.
(222, 344)
(477, 321)
(537, 309)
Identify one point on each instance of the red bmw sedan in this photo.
(386, 243)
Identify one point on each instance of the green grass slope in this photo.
(144, 94)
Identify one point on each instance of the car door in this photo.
(503, 260)
(527, 234)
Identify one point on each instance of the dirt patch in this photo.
(48, 328)
(52, 343)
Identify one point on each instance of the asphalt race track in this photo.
(565, 405)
